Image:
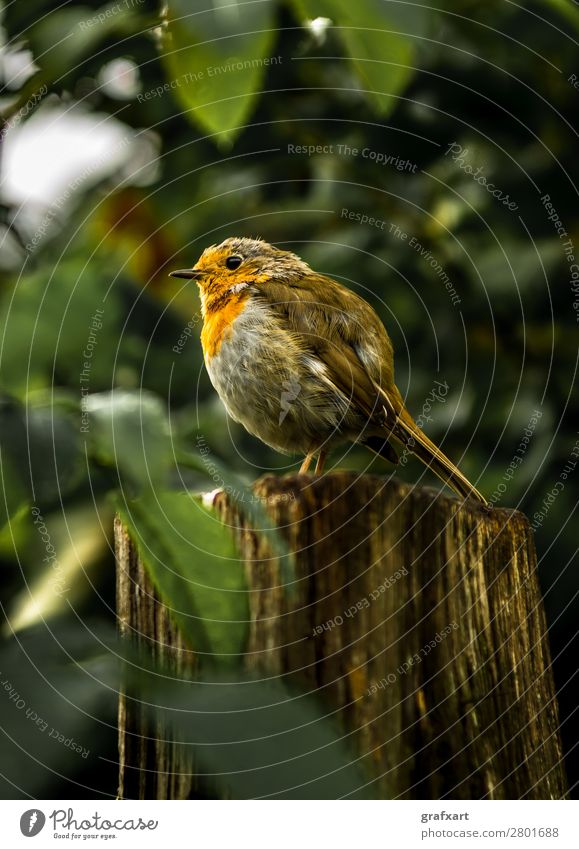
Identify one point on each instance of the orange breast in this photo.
(217, 325)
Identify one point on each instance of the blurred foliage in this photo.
(82, 435)
(257, 737)
(207, 586)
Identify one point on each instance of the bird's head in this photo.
(238, 263)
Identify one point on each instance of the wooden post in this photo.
(419, 618)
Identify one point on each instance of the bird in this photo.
(301, 361)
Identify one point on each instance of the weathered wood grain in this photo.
(417, 617)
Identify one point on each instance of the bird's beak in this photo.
(188, 273)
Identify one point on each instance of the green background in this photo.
(397, 79)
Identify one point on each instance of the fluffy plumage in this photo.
(302, 362)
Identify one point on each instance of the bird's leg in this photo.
(307, 462)
(321, 461)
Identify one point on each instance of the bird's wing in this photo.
(346, 335)
(343, 332)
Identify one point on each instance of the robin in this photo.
(302, 362)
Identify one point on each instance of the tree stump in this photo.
(416, 616)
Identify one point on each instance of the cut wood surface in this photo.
(416, 617)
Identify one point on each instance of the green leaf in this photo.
(57, 319)
(378, 36)
(565, 9)
(40, 455)
(57, 705)
(191, 558)
(14, 524)
(14, 495)
(240, 491)
(129, 431)
(261, 738)
(54, 453)
(513, 266)
(80, 541)
(216, 59)
(63, 39)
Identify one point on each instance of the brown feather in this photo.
(334, 324)
(302, 326)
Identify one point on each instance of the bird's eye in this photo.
(233, 262)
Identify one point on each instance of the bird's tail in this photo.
(406, 431)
